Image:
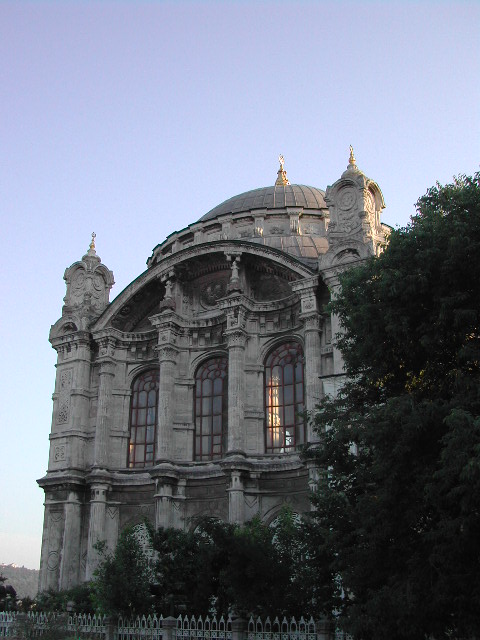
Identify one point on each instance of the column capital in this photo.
(166, 352)
(305, 285)
(106, 348)
(312, 321)
(236, 338)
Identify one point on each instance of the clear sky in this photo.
(133, 119)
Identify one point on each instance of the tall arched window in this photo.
(285, 427)
(211, 409)
(143, 420)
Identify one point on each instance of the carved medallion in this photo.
(213, 291)
(347, 199)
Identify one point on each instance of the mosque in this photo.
(185, 396)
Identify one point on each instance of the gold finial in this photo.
(352, 160)
(92, 243)
(281, 173)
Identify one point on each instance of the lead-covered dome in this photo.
(278, 196)
(288, 217)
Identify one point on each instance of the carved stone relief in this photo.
(66, 379)
(59, 452)
(213, 291)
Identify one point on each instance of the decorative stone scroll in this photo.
(88, 282)
(66, 379)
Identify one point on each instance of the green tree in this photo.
(398, 508)
(248, 569)
(122, 581)
(8, 596)
(183, 576)
(51, 600)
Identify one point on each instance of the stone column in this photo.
(80, 396)
(236, 338)
(310, 316)
(52, 542)
(163, 502)
(236, 498)
(96, 527)
(178, 504)
(106, 375)
(167, 324)
(167, 357)
(71, 542)
(338, 363)
(313, 390)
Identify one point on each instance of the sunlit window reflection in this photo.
(285, 428)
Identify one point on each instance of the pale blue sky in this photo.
(133, 119)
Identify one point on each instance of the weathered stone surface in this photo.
(233, 287)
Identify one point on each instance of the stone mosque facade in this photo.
(185, 396)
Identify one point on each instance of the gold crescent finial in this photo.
(352, 160)
(92, 243)
(281, 173)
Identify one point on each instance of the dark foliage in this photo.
(248, 569)
(399, 502)
(122, 580)
(79, 597)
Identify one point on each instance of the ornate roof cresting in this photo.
(281, 174)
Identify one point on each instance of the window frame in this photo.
(207, 411)
(284, 402)
(134, 427)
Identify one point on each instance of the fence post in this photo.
(111, 625)
(169, 626)
(239, 628)
(18, 625)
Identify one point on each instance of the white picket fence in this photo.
(153, 627)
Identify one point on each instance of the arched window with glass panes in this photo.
(143, 420)
(284, 391)
(211, 409)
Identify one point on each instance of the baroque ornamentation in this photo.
(213, 291)
(347, 199)
(66, 379)
(59, 452)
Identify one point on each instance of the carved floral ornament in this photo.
(236, 338)
(107, 346)
(166, 353)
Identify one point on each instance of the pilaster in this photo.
(96, 527)
(236, 337)
(168, 325)
(166, 512)
(104, 408)
(69, 567)
(236, 498)
(331, 279)
(312, 326)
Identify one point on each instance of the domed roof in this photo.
(278, 196)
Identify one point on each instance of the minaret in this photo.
(355, 203)
(88, 285)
